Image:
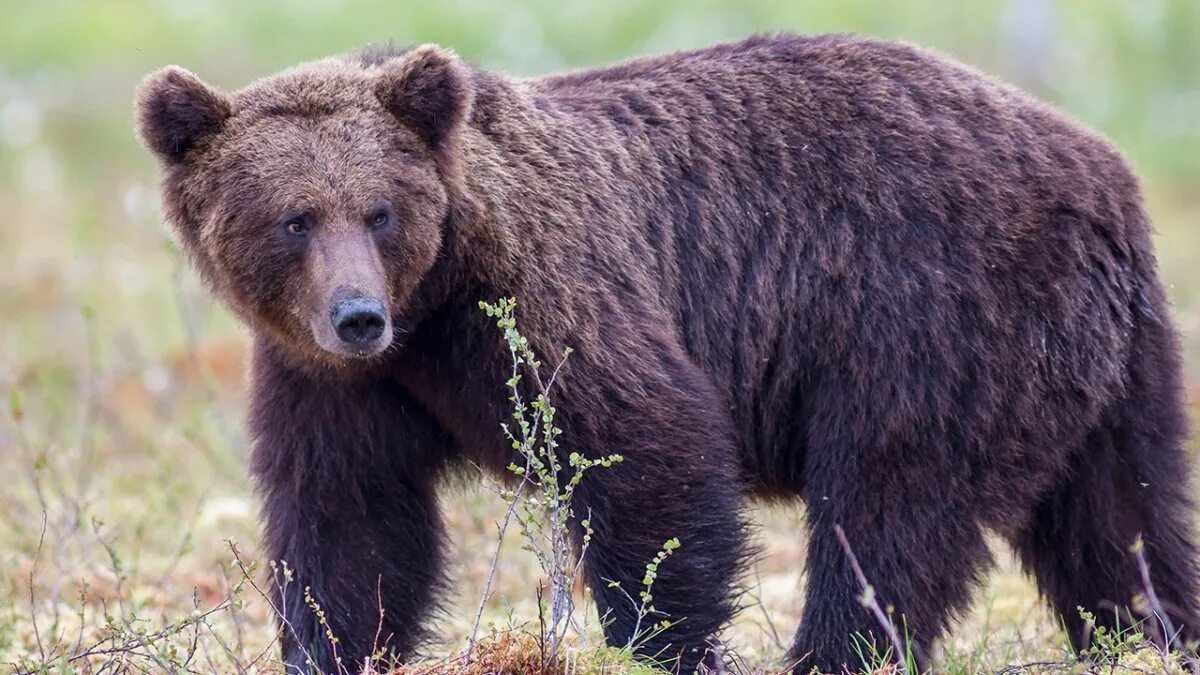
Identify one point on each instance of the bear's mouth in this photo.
(356, 351)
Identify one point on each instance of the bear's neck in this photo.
(556, 182)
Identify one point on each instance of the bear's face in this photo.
(313, 201)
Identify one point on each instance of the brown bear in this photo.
(830, 268)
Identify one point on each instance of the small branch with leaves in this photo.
(547, 478)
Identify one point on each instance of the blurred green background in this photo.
(124, 381)
(78, 192)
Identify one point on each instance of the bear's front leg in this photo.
(679, 480)
(346, 471)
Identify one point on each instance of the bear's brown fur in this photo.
(832, 268)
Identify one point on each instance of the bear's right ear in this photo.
(176, 111)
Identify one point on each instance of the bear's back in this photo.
(852, 211)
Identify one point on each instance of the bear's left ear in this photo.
(429, 89)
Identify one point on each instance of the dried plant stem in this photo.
(248, 575)
(871, 602)
(1156, 607)
(491, 575)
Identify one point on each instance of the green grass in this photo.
(121, 445)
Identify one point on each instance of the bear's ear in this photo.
(176, 111)
(429, 89)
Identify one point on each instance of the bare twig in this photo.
(1157, 609)
(501, 531)
(1139, 549)
(871, 602)
(756, 595)
(248, 575)
(130, 644)
(32, 602)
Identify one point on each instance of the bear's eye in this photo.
(380, 214)
(380, 219)
(297, 227)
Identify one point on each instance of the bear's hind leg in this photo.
(917, 544)
(1130, 481)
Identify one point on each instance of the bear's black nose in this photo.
(359, 321)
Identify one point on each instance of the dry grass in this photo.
(135, 475)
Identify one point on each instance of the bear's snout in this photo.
(355, 324)
(359, 321)
(348, 293)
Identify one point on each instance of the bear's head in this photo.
(313, 201)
